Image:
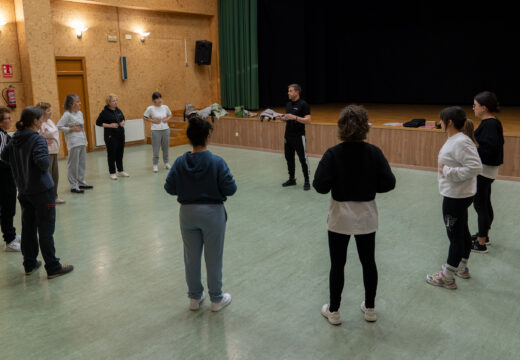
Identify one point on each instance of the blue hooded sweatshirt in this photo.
(200, 178)
(28, 156)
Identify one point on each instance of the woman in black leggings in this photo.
(354, 171)
(490, 139)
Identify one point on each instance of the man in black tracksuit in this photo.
(297, 114)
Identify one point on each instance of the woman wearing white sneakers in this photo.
(459, 165)
(159, 115)
(353, 171)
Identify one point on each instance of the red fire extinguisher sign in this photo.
(7, 70)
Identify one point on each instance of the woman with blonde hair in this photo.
(113, 121)
(72, 124)
(51, 134)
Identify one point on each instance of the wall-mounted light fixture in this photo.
(79, 28)
(80, 31)
(2, 23)
(143, 36)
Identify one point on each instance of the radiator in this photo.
(134, 131)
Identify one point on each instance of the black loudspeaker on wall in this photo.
(203, 52)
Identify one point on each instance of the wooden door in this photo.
(72, 79)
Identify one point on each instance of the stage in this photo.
(403, 147)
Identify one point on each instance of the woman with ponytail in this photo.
(202, 182)
(459, 165)
(28, 156)
(353, 171)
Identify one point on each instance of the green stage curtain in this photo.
(238, 53)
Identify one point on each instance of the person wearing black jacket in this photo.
(7, 189)
(28, 156)
(354, 171)
(297, 115)
(490, 139)
(113, 122)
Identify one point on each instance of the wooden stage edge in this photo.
(403, 147)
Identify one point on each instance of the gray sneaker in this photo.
(370, 314)
(195, 303)
(334, 318)
(217, 306)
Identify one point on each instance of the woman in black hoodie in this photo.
(490, 139)
(353, 171)
(113, 121)
(28, 156)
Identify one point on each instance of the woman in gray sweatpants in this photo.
(202, 181)
(159, 115)
(72, 124)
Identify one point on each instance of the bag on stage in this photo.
(415, 123)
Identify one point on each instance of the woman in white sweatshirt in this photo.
(459, 165)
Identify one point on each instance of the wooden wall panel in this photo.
(414, 148)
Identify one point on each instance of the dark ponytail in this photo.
(198, 131)
(29, 115)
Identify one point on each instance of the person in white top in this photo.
(459, 165)
(72, 124)
(51, 134)
(159, 115)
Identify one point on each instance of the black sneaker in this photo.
(77, 191)
(36, 267)
(289, 182)
(476, 247)
(65, 269)
(87, 187)
(306, 186)
(474, 238)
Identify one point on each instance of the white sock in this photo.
(448, 271)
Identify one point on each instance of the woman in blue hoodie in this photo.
(28, 156)
(202, 181)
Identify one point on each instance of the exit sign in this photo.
(7, 70)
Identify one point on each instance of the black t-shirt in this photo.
(299, 108)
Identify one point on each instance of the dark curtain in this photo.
(387, 51)
(238, 53)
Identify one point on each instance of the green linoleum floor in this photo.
(126, 297)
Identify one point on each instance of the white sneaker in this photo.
(370, 314)
(155, 168)
(226, 300)
(13, 246)
(334, 318)
(122, 174)
(167, 166)
(18, 238)
(113, 176)
(195, 303)
(60, 201)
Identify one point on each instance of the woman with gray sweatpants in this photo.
(72, 124)
(202, 181)
(159, 115)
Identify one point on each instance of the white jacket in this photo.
(461, 166)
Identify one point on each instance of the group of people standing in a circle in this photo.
(354, 171)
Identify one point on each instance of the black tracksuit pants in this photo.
(38, 221)
(366, 245)
(7, 210)
(115, 143)
(482, 204)
(292, 144)
(455, 215)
